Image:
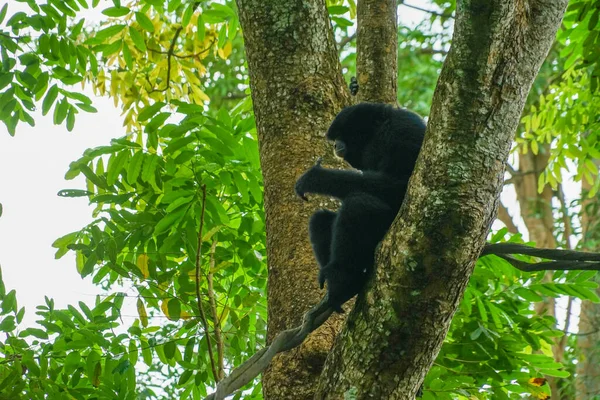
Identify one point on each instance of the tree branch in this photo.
(345, 41)
(432, 12)
(211, 355)
(171, 53)
(215, 316)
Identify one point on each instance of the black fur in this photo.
(383, 142)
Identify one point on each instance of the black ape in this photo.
(383, 142)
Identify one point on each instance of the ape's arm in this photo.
(339, 183)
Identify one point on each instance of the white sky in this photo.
(32, 168)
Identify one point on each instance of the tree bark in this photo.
(297, 88)
(398, 326)
(587, 382)
(377, 50)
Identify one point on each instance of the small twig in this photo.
(171, 53)
(215, 316)
(345, 41)
(432, 12)
(183, 56)
(511, 170)
(15, 38)
(429, 51)
(211, 356)
(235, 96)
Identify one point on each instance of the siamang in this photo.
(383, 143)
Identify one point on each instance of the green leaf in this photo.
(86, 107)
(187, 15)
(60, 111)
(9, 302)
(138, 39)
(49, 99)
(3, 13)
(109, 32)
(157, 122)
(342, 22)
(5, 80)
(177, 144)
(169, 221)
(200, 29)
(122, 367)
(149, 111)
(593, 22)
(115, 166)
(481, 308)
(169, 347)
(38, 333)
(144, 21)
(127, 56)
(555, 372)
(112, 48)
(92, 177)
(185, 376)
(135, 167)
(528, 294)
(71, 118)
(189, 349)
(174, 307)
(337, 10)
(150, 165)
(214, 16)
(146, 352)
(116, 11)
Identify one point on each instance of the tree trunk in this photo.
(297, 88)
(398, 326)
(588, 341)
(536, 208)
(377, 50)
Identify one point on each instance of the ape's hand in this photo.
(304, 183)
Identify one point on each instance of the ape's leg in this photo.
(320, 228)
(361, 223)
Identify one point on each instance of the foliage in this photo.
(178, 217)
(493, 348)
(565, 114)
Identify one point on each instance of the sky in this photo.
(32, 169)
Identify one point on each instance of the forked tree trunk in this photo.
(397, 328)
